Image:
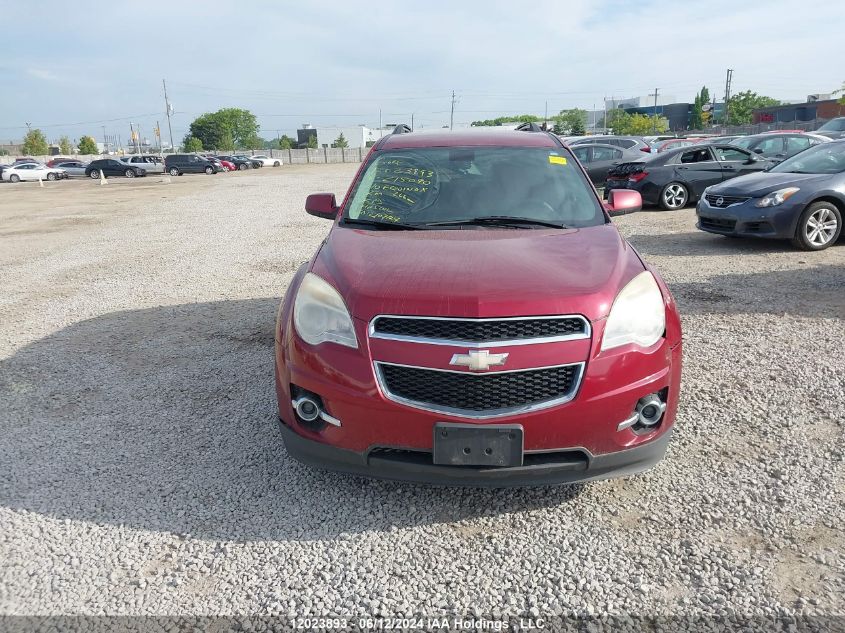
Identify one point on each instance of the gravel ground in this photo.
(141, 470)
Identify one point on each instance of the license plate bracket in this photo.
(478, 445)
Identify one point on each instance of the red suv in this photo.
(474, 318)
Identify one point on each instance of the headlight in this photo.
(637, 316)
(776, 197)
(319, 314)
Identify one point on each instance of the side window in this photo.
(582, 154)
(625, 143)
(605, 153)
(696, 156)
(795, 144)
(729, 153)
(770, 146)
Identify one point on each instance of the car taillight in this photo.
(638, 176)
(647, 150)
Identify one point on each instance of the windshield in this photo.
(827, 158)
(450, 184)
(836, 125)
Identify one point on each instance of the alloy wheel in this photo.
(675, 196)
(821, 226)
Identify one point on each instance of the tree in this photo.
(742, 104)
(64, 145)
(192, 144)
(226, 128)
(340, 142)
(88, 146)
(572, 122)
(519, 118)
(698, 118)
(312, 142)
(286, 142)
(635, 124)
(35, 143)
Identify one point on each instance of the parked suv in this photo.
(178, 164)
(474, 318)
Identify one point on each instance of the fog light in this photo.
(309, 407)
(648, 412)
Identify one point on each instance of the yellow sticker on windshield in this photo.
(557, 160)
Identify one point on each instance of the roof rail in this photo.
(529, 127)
(402, 128)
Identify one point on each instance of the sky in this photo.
(71, 69)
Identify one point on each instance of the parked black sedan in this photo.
(802, 199)
(112, 167)
(674, 178)
(599, 158)
(240, 162)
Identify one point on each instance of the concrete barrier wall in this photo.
(288, 156)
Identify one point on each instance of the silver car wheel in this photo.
(675, 196)
(821, 226)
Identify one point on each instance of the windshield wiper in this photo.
(393, 226)
(500, 220)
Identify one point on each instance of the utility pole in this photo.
(452, 115)
(158, 134)
(728, 92)
(105, 143)
(605, 115)
(169, 112)
(546, 117)
(654, 119)
(379, 118)
(412, 121)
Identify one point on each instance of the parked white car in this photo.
(267, 161)
(152, 164)
(32, 171)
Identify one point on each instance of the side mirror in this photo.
(623, 201)
(322, 205)
(757, 150)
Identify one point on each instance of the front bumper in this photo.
(416, 466)
(746, 220)
(577, 440)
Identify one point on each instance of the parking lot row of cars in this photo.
(133, 166)
(786, 184)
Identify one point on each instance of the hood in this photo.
(478, 273)
(757, 185)
(831, 134)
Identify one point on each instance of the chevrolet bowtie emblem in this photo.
(478, 360)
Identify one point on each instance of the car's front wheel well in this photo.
(839, 204)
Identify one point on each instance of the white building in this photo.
(355, 135)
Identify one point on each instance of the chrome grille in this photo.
(479, 395)
(722, 202)
(456, 331)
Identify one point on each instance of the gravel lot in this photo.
(141, 470)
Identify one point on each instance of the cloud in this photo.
(44, 75)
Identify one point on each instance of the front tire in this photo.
(51, 176)
(14, 178)
(674, 196)
(819, 226)
(173, 171)
(95, 174)
(277, 164)
(243, 166)
(209, 170)
(129, 173)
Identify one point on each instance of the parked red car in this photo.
(474, 318)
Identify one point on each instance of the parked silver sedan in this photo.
(73, 167)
